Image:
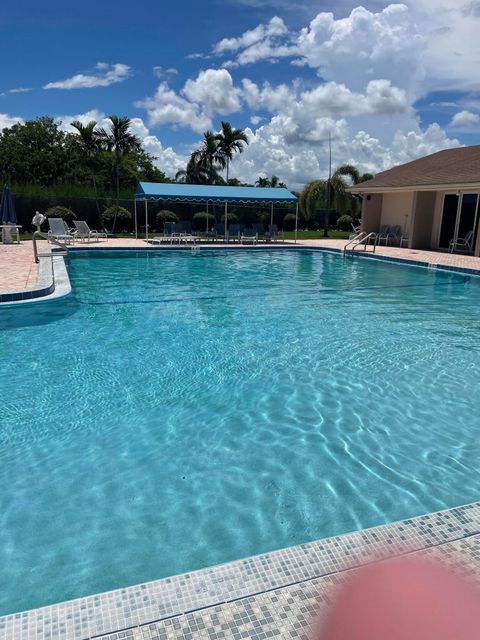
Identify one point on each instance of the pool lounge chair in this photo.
(175, 238)
(219, 231)
(59, 231)
(249, 235)
(84, 232)
(273, 234)
(260, 231)
(462, 244)
(234, 232)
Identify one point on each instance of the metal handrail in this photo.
(362, 238)
(357, 236)
(45, 236)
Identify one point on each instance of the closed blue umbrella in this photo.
(7, 208)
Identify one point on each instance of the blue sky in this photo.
(389, 82)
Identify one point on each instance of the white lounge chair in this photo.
(462, 244)
(59, 231)
(83, 232)
(249, 235)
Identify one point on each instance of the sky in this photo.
(388, 82)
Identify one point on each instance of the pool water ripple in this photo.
(181, 410)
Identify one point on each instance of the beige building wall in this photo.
(397, 208)
(371, 212)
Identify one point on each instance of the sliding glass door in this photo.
(459, 220)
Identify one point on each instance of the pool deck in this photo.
(18, 271)
(282, 594)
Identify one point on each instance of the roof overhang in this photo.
(472, 186)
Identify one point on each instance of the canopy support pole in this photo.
(207, 216)
(146, 219)
(135, 214)
(226, 223)
(271, 215)
(296, 222)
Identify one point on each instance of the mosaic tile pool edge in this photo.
(149, 603)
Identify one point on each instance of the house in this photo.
(434, 199)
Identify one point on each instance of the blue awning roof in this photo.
(211, 193)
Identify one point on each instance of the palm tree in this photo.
(121, 141)
(194, 173)
(230, 140)
(272, 182)
(321, 192)
(262, 182)
(89, 143)
(209, 156)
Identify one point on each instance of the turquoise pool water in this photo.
(181, 410)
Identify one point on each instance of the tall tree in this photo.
(230, 141)
(121, 141)
(89, 144)
(33, 152)
(210, 156)
(194, 173)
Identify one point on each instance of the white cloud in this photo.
(465, 119)
(16, 90)
(214, 90)
(419, 45)
(7, 121)
(263, 32)
(105, 75)
(160, 72)
(86, 117)
(276, 148)
(210, 93)
(167, 107)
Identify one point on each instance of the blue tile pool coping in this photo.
(200, 592)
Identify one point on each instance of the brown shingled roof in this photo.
(451, 166)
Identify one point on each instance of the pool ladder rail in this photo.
(360, 239)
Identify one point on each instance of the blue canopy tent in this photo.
(197, 193)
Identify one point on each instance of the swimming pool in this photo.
(182, 409)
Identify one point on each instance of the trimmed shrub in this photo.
(344, 223)
(289, 222)
(165, 216)
(232, 218)
(124, 218)
(61, 212)
(200, 220)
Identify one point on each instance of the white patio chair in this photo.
(462, 244)
(60, 231)
(83, 232)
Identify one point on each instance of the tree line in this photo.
(92, 160)
(109, 161)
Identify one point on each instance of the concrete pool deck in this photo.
(18, 271)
